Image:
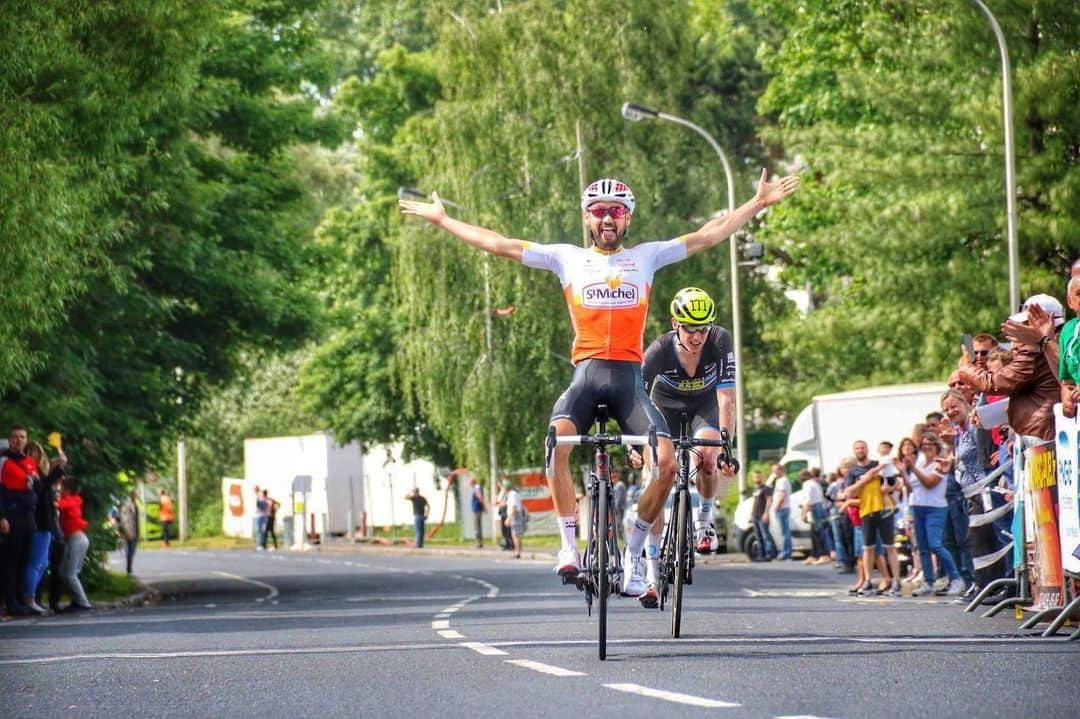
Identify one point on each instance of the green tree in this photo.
(893, 110)
(501, 143)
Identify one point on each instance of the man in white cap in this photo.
(1028, 381)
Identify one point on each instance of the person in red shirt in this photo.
(18, 502)
(76, 543)
(166, 516)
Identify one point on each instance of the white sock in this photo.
(568, 529)
(637, 536)
(652, 557)
(705, 511)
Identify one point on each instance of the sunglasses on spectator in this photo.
(981, 353)
(617, 212)
(694, 329)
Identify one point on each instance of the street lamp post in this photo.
(1010, 159)
(634, 112)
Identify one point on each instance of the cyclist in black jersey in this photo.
(691, 370)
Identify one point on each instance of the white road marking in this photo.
(404, 598)
(800, 716)
(485, 649)
(450, 634)
(672, 696)
(443, 615)
(492, 592)
(271, 588)
(155, 656)
(883, 639)
(440, 624)
(792, 593)
(545, 668)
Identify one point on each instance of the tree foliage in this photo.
(894, 109)
(167, 235)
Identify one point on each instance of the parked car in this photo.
(746, 541)
(719, 521)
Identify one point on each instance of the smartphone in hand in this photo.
(969, 343)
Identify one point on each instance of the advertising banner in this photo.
(238, 502)
(1068, 465)
(1044, 546)
(1019, 525)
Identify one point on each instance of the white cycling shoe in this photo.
(568, 564)
(633, 583)
(705, 539)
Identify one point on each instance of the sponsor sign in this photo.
(611, 293)
(1044, 546)
(1068, 468)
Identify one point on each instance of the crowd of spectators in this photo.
(900, 520)
(42, 530)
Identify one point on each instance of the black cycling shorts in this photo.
(702, 411)
(617, 384)
(879, 524)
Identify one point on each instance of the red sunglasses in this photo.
(617, 212)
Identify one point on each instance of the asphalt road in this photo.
(366, 632)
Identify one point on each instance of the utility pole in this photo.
(181, 485)
(582, 179)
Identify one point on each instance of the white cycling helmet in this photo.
(608, 190)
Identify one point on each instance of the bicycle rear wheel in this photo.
(682, 551)
(604, 579)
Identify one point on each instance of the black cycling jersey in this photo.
(675, 392)
(665, 375)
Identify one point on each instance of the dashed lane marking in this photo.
(672, 696)
(440, 624)
(485, 649)
(273, 591)
(450, 634)
(545, 668)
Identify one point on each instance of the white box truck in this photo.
(336, 495)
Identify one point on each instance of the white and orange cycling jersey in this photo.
(607, 293)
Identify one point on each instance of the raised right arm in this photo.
(478, 237)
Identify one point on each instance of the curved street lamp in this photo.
(1010, 160)
(635, 113)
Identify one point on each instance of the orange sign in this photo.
(236, 500)
(535, 495)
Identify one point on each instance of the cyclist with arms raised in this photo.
(607, 293)
(691, 370)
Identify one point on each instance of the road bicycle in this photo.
(601, 566)
(677, 547)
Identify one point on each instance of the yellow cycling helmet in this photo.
(693, 306)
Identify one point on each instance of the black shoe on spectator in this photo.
(971, 591)
(73, 607)
(867, 590)
(999, 596)
(844, 569)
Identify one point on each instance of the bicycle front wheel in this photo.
(603, 527)
(682, 556)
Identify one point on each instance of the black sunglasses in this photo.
(694, 329)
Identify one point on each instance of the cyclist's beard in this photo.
(612, 241)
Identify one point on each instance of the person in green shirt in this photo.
(1069, 352)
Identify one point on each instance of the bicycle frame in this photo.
(677, 548)
(602, 564)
